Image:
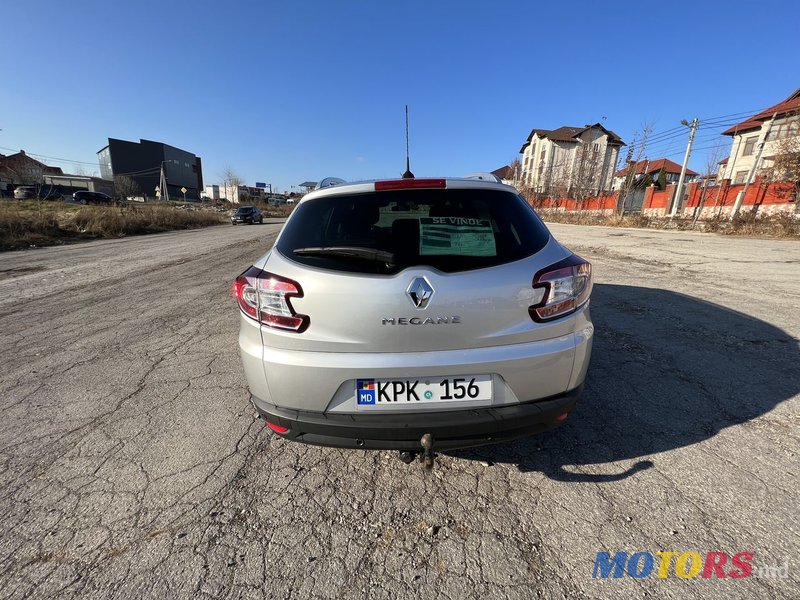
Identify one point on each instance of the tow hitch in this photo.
(427, 455)
(408, 457)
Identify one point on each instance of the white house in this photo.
(233, 193)
(754, 141)
(570, 159)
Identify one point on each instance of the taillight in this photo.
(566, 287)
(266, 298)
(409, 184)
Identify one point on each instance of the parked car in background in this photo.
(25, 191)
(247, 214)
(87, 197)
(44, 192)
(413, 315)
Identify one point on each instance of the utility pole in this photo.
(163, 184)
(740, 196)
(679, 190)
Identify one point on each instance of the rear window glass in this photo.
(386, 232)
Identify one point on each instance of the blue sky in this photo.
(286, 92)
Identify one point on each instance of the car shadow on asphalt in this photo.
(667, 371)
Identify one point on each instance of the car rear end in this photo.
(243, 214)
(390, 310)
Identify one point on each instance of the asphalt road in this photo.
(132, 465)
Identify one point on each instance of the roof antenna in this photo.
(408, 174)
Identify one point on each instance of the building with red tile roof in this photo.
(755, 140)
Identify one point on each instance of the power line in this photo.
(739, 114)
(65, 160)
(667, 145)
(719, 121)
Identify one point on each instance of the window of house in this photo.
(740, 176)
(792, 128)
(788, 128)
(749, 145)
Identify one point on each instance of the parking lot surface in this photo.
(132, 464)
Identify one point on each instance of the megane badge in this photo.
(420, 292)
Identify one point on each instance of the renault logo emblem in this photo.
(420, 292)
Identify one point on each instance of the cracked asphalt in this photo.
(132, 464)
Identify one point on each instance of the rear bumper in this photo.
(402, 431)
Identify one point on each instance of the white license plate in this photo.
(405, 392)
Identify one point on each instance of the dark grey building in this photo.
(142, 162)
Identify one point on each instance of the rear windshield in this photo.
(450, 230)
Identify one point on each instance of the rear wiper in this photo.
(369, 254)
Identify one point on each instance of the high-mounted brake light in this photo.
(565, 286)
(266, 298)
(408, 184)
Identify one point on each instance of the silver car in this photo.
(414, 314)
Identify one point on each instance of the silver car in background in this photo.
(414, 314)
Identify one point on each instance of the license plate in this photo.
(425, 390)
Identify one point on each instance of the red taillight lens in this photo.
(265, 298)
(566, 286)
(277, 428)
(409, 184)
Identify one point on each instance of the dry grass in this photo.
(746, 223)
(275, 212)
(28, 223)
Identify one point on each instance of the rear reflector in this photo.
(409, 184)
(562, 417)
(277, 428)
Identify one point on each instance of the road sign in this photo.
(260, 184)
(184, 190)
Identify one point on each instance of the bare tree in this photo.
(231, 181)
(634, 156)
(711, 167)
(786, 165)
(559, 188)
(515, 172)
(586, 174)
(520, 181)
(125, 187)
